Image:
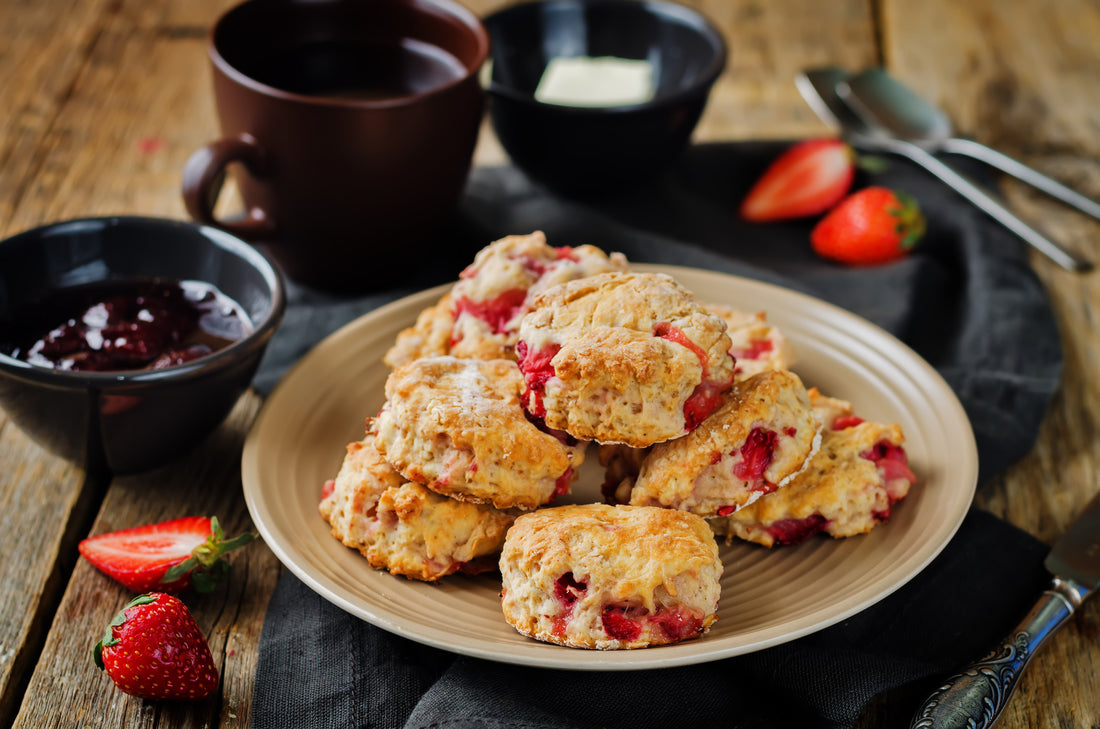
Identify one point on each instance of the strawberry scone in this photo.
(763, 434)
(626, 358)
(457, 427)
(403, 527)
(479, 318)
(609, 577)
(850, 486)
(756, 345)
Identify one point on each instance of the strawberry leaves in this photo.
(205, 566)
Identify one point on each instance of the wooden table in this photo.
(104, 100)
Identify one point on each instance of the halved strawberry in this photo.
(807, 179)
(871, 226)
(170, 556)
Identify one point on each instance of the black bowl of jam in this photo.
(125, 341)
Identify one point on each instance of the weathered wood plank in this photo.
(66, 689)
(1022, 77)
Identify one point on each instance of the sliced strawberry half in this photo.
(807, 179)
(169, 556)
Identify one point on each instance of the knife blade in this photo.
(976, 696)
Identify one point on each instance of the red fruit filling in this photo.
(567, 590)
(892, 460)
(538, 268)
(626, 624)
(561, 485)
(496, 312)
(327, 488)
(621, 623)
(707, 395)
(795, 531)
(846, 421)
(726, 510)
(756, 456)
(755, 350)
(536, 368)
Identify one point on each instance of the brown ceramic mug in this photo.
(349, 127)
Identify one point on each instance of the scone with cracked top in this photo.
(850, 486)
(762, 435)
(457, 427)
(610, 577)
(626, 358)
(479, 317)
(403, 527)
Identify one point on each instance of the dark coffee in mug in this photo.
(349, 127)
(352, 69)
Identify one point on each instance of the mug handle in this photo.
(204, 174)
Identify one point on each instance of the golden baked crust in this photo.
(849, 487)
(479, 317)
(623, 358)
(608, 577)
(429, 337)
(404, 528)
(763, 434)
(755, 344)
(457, 427)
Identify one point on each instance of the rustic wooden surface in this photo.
(105, 99)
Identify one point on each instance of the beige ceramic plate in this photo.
(768, 596)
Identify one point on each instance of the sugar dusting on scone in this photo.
(755, 344)
(403, 527)
(762, 435)
(623, 358)
(457, 427)
(610, 577)
(479, 317)
(850, 486)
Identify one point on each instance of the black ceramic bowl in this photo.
(586, 151)
(130, 420)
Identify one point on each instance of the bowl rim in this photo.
(664, 8)
(202, 366)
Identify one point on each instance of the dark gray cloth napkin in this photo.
(966, 301)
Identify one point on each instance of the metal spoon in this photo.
(827, 93)
(912, 117)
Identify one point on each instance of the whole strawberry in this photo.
(170, 556)
(154, 650)
(807, 179)
(871, 226)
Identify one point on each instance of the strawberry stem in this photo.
(205, 565)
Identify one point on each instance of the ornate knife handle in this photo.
(974, 698)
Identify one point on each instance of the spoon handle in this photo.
(984, 202)
(1022, 172)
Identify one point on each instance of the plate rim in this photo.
(687, 653)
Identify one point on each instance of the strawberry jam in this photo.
(127, 325)
(707, 395)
